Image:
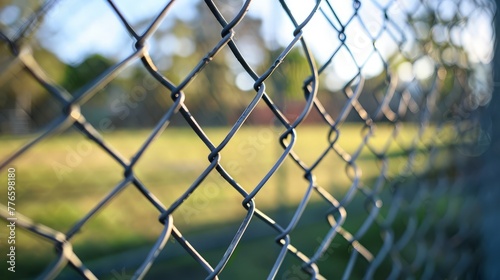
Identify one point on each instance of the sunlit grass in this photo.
(64, 176)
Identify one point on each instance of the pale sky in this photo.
(73, 29)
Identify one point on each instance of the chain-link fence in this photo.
(349, 127)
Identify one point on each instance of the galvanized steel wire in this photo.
(436, 252)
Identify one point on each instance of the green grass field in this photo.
(63, 177)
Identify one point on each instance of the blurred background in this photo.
(396, 139)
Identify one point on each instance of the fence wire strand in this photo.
(425, 248)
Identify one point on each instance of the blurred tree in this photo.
(23, 96)
(79, 75)
(214, 94)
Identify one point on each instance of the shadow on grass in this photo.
(253, 258)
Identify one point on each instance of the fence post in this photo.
(490, 161)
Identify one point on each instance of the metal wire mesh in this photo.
(418, 203)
